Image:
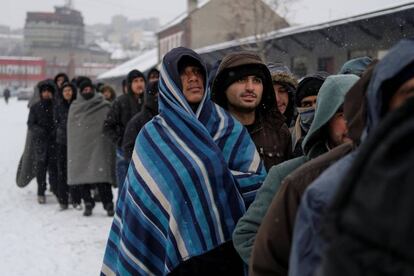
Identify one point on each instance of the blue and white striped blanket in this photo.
(190, 178)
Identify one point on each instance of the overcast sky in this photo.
(13, 12)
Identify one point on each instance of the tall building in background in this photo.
(59, 38)
(62, 28)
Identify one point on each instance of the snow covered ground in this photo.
(40, 239)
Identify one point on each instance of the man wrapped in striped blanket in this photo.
(193, 172)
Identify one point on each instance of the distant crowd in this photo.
(238, 167)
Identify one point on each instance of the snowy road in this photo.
(39, 239)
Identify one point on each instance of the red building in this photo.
(21, 71)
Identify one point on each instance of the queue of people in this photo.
(239, 169)
(228, 180)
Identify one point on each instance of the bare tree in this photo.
(256, 18)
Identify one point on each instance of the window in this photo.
(326, 64)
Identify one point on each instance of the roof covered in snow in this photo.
(182, 16)
(302, 29)
(143, 62)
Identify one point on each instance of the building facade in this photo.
(214, 21)
(58, 37)
(327, 46)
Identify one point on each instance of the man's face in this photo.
(87, 90)
(67, 93)
(138, 86)
(107, 94)
(59, 81)
(245, 94)
(282, 97)
(308, 101)
(46, 94)
(338, 130)
(192, 80)
(153, 77)
(405, 91)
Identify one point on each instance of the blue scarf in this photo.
(190, 179)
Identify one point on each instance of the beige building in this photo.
(216, 21)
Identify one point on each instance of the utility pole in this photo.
(69, 4)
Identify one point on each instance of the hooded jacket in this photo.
(149, 110)
(307, 246)
(369, 225)
(269, 131)
(330, 98)
(60, 113)
(122, 110)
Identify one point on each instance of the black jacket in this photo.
(122, 110)
(149, 110)
(60, 112)
(40, 120)
(42, 126)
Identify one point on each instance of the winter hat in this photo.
(356, 66)
(281, 74)
(153, 71)
(133, 75)
(309, 86)
(71, 85)
(47, 85)
(85, 83)
(237, 65)
(65, 77)
(80, 79)
(188, 61)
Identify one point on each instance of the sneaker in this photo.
(41, 199)
(77, 206)
(88, 210)
(63, 206)
(110, 209)
(96, 196)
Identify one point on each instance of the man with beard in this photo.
(243, 86)
(42, 126)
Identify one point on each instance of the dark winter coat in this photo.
(61, 110)
(271, 250)
(331, 97)
(149, 110)
(42, 126)
(122, 110)
(320, 194)
(269, 131)
(371, 223)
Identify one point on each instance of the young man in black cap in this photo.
(42, 126)
(243, 86)
(122, 110)
(305, 100)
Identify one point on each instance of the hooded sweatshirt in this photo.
(330, 98)
(269, 131)
(307, 242)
